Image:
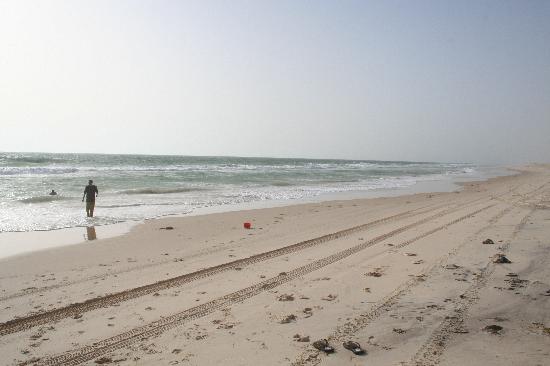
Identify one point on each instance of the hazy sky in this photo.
(391, 80)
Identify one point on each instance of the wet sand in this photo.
(407, 277)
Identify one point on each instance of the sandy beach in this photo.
(408, 278)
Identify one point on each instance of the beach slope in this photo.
(443, 278)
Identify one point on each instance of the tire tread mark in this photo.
(310, 357)
(430, 352)
(158, 327)
(27, 322)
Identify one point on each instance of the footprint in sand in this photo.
(373, 274)
(493, 329)
(285, 297)
(299, 338)
(308, 312)
(288, 319)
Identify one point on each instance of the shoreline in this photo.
(26, 242)
(145, 187)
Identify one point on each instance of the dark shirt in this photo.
(90, 192)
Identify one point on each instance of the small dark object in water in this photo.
(167, 228)
(322, 345)
(488, 241)
(354, 347)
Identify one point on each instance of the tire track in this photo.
(102, 276)
(210, 251)
(27, 322)
(310, 357)
(430, 352)
(162, 325)
(405, 214)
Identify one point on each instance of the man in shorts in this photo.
(90, 192)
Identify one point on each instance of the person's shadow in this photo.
(90, 231)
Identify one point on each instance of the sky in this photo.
(450, 81)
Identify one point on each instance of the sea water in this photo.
(137, 187)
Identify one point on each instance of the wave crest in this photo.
(38, 171)
(282, 184)
(159, 190)
(42, 199)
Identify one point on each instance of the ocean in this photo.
(138, 187)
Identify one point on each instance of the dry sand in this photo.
(406, 277)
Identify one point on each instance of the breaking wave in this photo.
(281, 184)
(42, 199)
(35, 171)
(140, 204)
(160, 190)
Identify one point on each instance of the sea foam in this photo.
(137, 187)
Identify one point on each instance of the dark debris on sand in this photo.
(500, 258)
(493, 329)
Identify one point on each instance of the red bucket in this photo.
(247, 225)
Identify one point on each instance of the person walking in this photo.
(90, 192)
